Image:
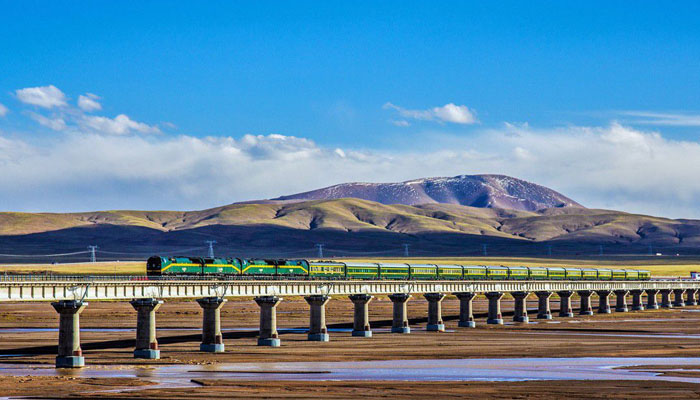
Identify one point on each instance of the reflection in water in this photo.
(515, 369)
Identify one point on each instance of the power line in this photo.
(320, 250)
(405, 249)
(45, 255)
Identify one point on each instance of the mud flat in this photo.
(29, 336)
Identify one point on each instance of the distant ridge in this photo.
(482, 191)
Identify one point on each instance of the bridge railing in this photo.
(233, 278)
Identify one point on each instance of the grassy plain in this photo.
(659, 266)
(98, 268)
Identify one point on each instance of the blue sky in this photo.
(484, 86)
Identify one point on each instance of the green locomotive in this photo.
(288, 268)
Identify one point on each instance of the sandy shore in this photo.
(635, 334)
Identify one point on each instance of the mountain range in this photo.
(464, 215)
(483, 191)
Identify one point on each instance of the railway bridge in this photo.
(70, 295)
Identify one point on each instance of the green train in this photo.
(158, 266)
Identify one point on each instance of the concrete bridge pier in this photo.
(70, 355)
(520, 314)
(543, 311)
(690, 297)
(318, 332)
(400, 322)
(466, 315)
(666, 298)
(637, 304)
(212, 339)
(360, 325)
(652, 304)
(146, 342)
(621, 304)
(495, 316)
(603, 301)
(678, 298)
(585, 308)
(268, 320)
(565, 309)
(435, 323)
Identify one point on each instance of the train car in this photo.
(221, 266)
(183, 266)
(393, 271)
(496, 272)
(538, 273)
(355, 270)
(631, 275)
(644, 275)
(257, 267)
(321, 269)
(604, 274)
(619, 275)
(518, 273)
(574, 274)
(556, 273)
(474, 272)
(292, 268)
(422, 271)
(155, 265)
(450, 272)
(589, 274)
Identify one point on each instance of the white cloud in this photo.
(43, 96)
(75, 119)
(3, 110)
(55, 123)
(448, 113)
(400, 122)
(662, 119)
(120, 125)
(88, 102)
(602, 167)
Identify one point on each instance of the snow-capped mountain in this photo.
(485, 191)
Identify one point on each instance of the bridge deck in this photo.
(119, 289)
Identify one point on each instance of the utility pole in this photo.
(484, 247)
(549, 250)
(320, 250)
(405, 249)
(211, 247)
(651, 251)
(93, 259)
(600, 250)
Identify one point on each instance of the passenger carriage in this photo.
(362, 270)
(393, 271)
(475, 272)
(422, 271)
(538, 273)
(518, 273)
(450, 272)
(497, 272)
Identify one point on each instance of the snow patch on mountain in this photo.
(486, 191)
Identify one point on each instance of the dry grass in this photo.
(99, 268)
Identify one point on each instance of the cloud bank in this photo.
(603, 167)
